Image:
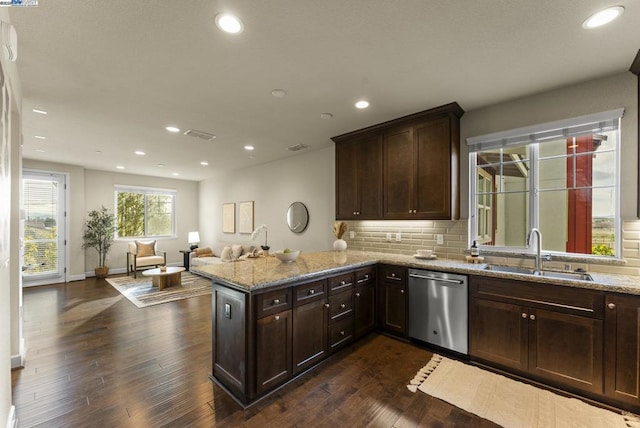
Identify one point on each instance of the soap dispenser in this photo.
(475, 252)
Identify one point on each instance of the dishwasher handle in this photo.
(433, 278)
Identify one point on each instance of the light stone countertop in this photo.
(256, 274)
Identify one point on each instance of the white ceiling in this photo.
(112, 74)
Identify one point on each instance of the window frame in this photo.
(514, 138)
(146, 191)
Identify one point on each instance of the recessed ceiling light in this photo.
(603, 17)
(204, 163)
(172, 129)
(119, 167)
(160, 165)
(39, 150)
(248, 147)
(98, 151)
(229, 23)
(139, 153)
(279, 93)
(39, 137)
(175, 174)
(37, 110)
(326, 116)
(362, 104)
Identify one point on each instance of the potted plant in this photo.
(99, 231)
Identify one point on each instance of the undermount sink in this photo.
(579, 276)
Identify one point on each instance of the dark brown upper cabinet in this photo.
(407, 168)
(359, 178)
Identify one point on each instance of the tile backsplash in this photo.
(381, 236)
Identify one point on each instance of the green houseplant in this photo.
(99, 231)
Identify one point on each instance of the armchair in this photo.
(144, 255)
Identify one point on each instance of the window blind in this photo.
(550, 131)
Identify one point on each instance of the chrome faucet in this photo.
(538, 246)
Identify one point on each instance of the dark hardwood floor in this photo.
(95, 360)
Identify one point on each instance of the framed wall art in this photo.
(245, 215)
(229, 218)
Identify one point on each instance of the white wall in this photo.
(307, 177)
(99, 190)
(594, 96)
(10, 287)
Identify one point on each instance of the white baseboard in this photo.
(81, 277)
(11, 418)
(17, 361)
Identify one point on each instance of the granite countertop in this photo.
(255, 274)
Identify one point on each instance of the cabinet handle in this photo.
(357, 294)
(276, 301)
(393, 275)
(611, 306)
(532, 317)
(366, 276)
(277, 317)
(342, 333)
(402, 291)
(342, 306)
(354, 213)
(524, 315)
(312, 291)
(326, 305)
(342, 282)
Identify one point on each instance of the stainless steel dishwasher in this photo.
(438, 309)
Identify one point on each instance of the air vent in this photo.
(199, 134)
(297, 147)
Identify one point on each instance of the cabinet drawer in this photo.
(340, 283)
(272, 302)
(310, 292)
(340, 333)
(570, 300)
(365, 276)
(340, 306)
(393, 273)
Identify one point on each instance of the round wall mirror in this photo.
(297, 217)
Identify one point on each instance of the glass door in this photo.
(43, 197)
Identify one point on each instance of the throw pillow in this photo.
(204, 252)
(226, 255)
(145, 249)
(236, 250)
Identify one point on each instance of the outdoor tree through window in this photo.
(143, 212)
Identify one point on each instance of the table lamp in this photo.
(194, 240)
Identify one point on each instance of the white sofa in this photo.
(220, 252)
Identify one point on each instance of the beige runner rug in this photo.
(507, 402)
(141, 293)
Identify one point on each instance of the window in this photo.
(144, 212)
(560, 177)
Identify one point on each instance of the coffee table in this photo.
(167, 278)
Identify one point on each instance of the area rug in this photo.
(140, 292)
(507, 402)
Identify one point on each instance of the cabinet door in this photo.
(309, 334)
(346, 180)
(622, 348)
(273, 351)
(228, 338)
(498, 333)
(399, 174)
(432, 196)
(566, 348)
(369, 172)
(394, 308)
(365, 308)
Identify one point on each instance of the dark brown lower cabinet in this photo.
(622, 349)
(273, 346)
(393, 307)
(364, 303)
(309, 334)
(551, 333)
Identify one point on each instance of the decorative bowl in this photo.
(286, 257)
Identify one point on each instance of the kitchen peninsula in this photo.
(272, 321)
